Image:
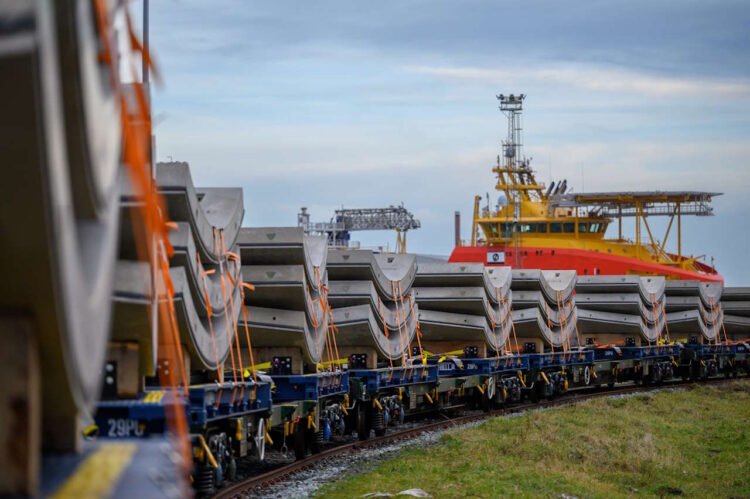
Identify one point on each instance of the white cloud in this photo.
(598, 79)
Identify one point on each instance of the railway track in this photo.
(255, 485)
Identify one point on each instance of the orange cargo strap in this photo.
(398, 322)
(233, 258)
(150, 227)
(227, 324)
(210, 313)
(387, 336)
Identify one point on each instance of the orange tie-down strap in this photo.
(151, 229)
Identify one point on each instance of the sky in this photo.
(365, 104)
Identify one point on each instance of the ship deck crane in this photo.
(347, 220)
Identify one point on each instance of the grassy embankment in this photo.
(693, 442)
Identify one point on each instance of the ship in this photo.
(533, 226)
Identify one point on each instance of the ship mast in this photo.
(515, 178)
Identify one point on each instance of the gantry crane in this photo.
(344, 221)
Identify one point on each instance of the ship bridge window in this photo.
(555, 227)
(506, 229)
(569, 227)
(583, 227)
(526, 227)
(541, 228)
(595, 227)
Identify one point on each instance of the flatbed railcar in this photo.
(231, 421)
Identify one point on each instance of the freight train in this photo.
(136, 311)
(289, 343)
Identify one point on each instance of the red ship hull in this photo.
(585, 262)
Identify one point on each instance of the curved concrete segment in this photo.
(624, 303)
(205, 339)
(605, 326)
(284, 246)
(395, 314)
(374, 307)
(204, 279)
(694, 308)
(386, 271)
(551, 312)
(359, 326)
(737, 327)
(288, 311)
(557, 285)
(709, 292)
(617, 308)
(59, 213)
(693, 322)
(736, 293)
(530, 323)
(463, 305)
(464, 330)
(544, 308)
(647, 286)
(209, 211)
(735, 302)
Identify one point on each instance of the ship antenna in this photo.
(512, 107)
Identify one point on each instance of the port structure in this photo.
(347, 220)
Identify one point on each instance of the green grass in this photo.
(694, 442)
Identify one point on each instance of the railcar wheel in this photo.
(232, 469)
(316, 441)
(260, 440)
(300, 444)
(363, 423)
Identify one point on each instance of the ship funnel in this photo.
(564, 186)
(457, 228)
(549, 189)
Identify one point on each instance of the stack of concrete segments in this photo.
(544, 308)
(464, 305)
(735, 303)
(373, 303)
(694, 310)
(624, 309)
(287, 313)
(203, 271)
(58, 215)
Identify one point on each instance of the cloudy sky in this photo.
(365, 104)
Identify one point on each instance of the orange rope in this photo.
(387, 335)
(246, 320)
(209, 312)
(714, 320)
(226, 317)
(561, 320)
(334, 332)
(400, 298)
(324, 303)
(575, 323)
(549, 323)
(509, 312)
(233, 258)
(418, 332)
(398, 322)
